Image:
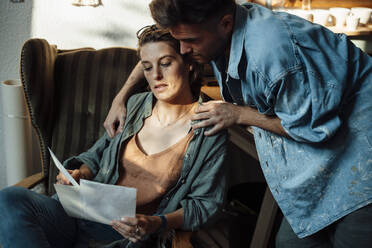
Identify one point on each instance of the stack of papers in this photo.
(94, 201)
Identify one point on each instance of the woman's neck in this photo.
(169, 113)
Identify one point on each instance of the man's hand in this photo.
(219, 114)
(135, 228)
(115, 119)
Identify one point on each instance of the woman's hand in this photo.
(61, 179)
(135, 228)
(83, 173)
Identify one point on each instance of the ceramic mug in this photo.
(352, 22)
(321, 16)
(307, 15)
(339, 15)
(363, 13)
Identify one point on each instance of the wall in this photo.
(321, 4)
(114, 23)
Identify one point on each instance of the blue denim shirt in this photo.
(320, 86)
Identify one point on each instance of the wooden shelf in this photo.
(315, 3)
(360, 31)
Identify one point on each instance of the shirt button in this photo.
(167, 198)
(267, 164)
(259, 135)
(183, 181)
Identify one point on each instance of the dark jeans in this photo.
(353, 230)
(28, 219)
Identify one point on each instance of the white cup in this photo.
(340, 15)
(321, 16)
(363, 13)
(352, 22)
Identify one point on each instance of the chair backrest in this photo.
(69, 94)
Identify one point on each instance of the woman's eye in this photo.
(165, 64)
(147, 68)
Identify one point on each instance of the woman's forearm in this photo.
(174, 219)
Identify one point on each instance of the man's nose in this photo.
(185, 48)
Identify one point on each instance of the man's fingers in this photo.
(110, 130)
(207, 106)
(201, 116)
(213, 130)
(121, 125)
(205, 123)
(203, 108)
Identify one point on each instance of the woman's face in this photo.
(165, 71)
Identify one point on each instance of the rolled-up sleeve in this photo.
(91, 158)
(208, 190)
(307, 106)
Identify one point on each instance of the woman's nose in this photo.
(157, 74)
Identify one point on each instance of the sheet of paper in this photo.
(104, 202)
(95, 201)
(69, 196)
(62, 169)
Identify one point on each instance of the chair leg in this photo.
(265, 221)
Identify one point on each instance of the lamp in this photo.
(93, 3)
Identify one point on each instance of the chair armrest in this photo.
(31, 181)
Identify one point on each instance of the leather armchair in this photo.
(68, 94)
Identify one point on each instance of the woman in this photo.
(178, 172)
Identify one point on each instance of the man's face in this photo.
(204, 42)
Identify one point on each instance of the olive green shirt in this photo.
(201, 187)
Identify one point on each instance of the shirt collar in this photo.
(148, 106)
(237, 41)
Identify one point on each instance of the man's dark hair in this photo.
(169, 13)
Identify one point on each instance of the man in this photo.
(307, 93)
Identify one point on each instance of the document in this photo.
(95, 201)
(62, 169)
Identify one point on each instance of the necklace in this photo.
(176, 120)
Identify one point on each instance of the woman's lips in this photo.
(160, 87)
